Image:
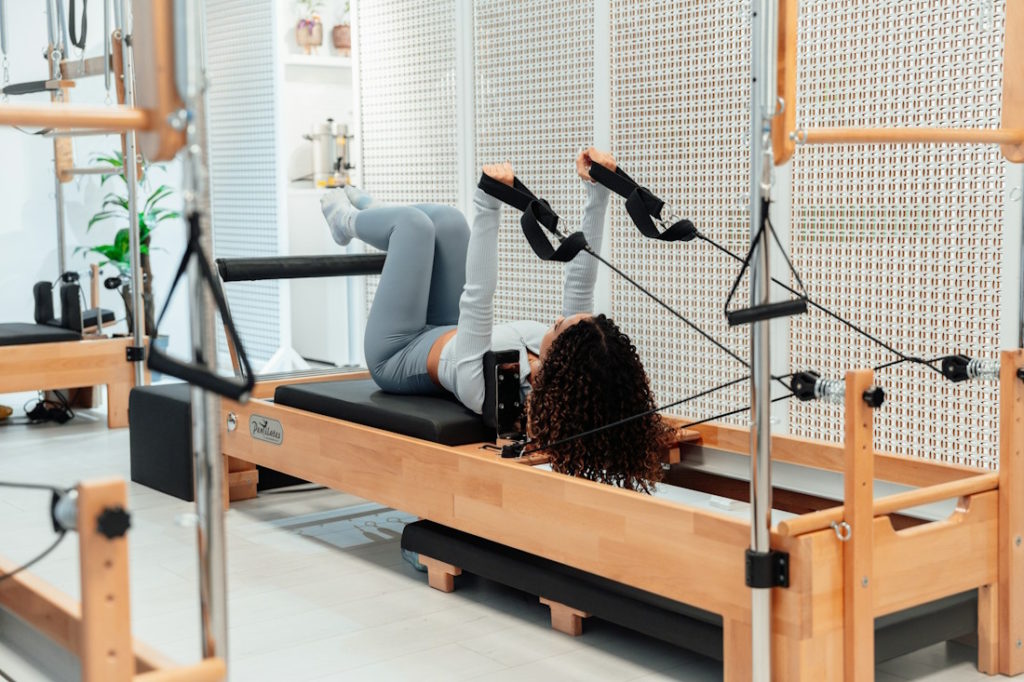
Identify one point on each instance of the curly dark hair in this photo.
(590, 377)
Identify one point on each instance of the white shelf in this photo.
(318, 60)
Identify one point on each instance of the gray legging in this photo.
(417, 299)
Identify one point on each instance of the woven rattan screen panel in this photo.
(906, 241)
(534, 97)
(680, 103)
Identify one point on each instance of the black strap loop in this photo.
(76, 40)
(195, 373)
(516, 196)
(538, 216)
(642, 205)
(616, 180)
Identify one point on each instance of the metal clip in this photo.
(842, 529)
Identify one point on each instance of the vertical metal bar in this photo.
(132, 182)
(63, 39)
(106, 46)
(763, 59)
(209, 471)
(3, 28)
(51, 25)
(55, 54)
(58, 197)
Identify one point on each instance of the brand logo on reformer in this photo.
(266, 429)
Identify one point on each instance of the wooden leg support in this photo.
(242, 479)
(440, 575)
(988, 629)
(117, 404)
(565, 618)
(736, 662)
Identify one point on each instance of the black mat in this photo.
(686, 626)
(23, 333)
(439, 420)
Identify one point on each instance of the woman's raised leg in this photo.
(451, 237)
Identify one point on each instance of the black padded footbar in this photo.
(680, 624)
(441, 420)
(19, 333)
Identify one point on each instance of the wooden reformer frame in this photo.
(97, 629)
(823, 623)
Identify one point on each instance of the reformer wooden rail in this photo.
(786, 136)
(97, 629)
(823, 623)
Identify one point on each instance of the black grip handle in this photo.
(298, 267)
(198, 375)
(769, 311)
(27, 88)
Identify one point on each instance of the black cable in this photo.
(39, 557)
(731, 413)
(620, 422)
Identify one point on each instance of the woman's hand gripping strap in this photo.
(644, 207)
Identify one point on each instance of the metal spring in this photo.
(985, 370)
(831, 390)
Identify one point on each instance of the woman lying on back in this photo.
(432, 321)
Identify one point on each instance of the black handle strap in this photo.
(516, 196)
(642, 205)
(767, 311)
(538, 217)
(192, 372)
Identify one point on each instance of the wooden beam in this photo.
(1001, 136)
(208, 670)
(815, 521)
(783, 145)
(1013, 77)
(74, 116)
(1011, 513)
(858, 502)
(106, 632)
(265, 388)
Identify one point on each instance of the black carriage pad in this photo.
(441, 420)
(24, 333)
(680, 624)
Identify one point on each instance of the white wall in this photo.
(28, 246)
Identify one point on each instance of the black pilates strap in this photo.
(78, 40)
(642, 205)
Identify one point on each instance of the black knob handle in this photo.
(874, 396)
(113, 522)
(802, 384)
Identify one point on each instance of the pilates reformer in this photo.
(168, 114)
(855, 572)
(72, 351)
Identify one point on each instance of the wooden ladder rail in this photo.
(1010, 134)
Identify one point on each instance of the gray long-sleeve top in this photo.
(460, 369)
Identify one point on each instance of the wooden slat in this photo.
(815, 521)
(106, 634)
(858, 502)
(988, 629)
(74, 116)
(908, 470)
(935, 560)
(1000, 136)
(1013, 77)
(1011, 513)
(783, 145)
(208, 670)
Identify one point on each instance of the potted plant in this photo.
(116, 253)
(309, 32)
(341, 34)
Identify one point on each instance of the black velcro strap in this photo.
(641, 205)
(615, 180)
(516, 196)
(537, 217)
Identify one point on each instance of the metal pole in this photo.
(209, 472)
(55, 53)
(132, 182)
(762, 105)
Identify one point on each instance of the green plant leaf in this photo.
(160, 193)
(111, 252)
(115, 200)
(100, 217)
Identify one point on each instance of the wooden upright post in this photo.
(106, 634)
(783, 145)
(1013, 76)
(1011, 510)
(858, 506)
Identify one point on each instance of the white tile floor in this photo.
(318, 591)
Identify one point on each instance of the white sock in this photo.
(340, 215)
(361, 199)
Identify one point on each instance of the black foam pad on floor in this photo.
(686, 626)
(19, 333)
(440, 420)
